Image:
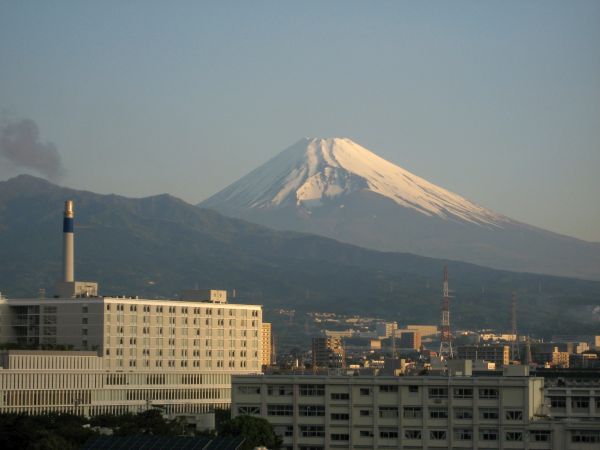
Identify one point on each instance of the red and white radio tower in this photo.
(446, 338)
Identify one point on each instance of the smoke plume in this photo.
(20, 144)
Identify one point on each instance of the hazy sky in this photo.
(497, 101)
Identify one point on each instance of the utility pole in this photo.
(446, 337)
(515, 354)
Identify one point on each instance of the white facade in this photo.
(179, 355)
(425, 412)
(132, 333)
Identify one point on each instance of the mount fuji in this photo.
(339, 189)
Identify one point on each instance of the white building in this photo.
(128, 353)
(421, 412)
(133, 353)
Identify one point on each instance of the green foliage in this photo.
(257, 431)
(147, 422)
(43, 432)
(69, 432)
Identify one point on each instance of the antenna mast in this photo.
(515, 355)
(446, 337)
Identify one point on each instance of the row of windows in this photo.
(176, 309)
(219, 364)
(576, 402)
(184, 331)
(434, 392)
(386, 411)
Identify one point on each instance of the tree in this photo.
(257, 432)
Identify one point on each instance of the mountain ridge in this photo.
(159, 245)
(336, 188)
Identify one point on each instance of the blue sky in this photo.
(497, 101)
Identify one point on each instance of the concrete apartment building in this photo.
(179, 354)
(497, 353)
(411, 412)
(409, 339)
(127, 353)
(266, 337)
(328, 351)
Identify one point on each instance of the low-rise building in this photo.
(410, 412)
(498, 354)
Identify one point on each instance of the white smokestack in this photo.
(69, 243)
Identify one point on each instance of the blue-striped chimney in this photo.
(69, 243)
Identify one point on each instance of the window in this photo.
(412, 434)
(438, 413)
(586, 436)
(463, 434)
(541, 435)
(385, 433)
(340, 396)
(438, 392)
(280, 390)
(488, 393)
(84, 321)
(365, 433)
(312, 430)
(463, 393)
(488, 414)
(514, 414)
(437, 435)
(340, 416)
(247, 389)
(388, 388)
(413, 389)
(513, 436)
(413, 412)
(558, 402)
(365, 391)
(365, 413)
(312, 390)
(488, 435)
(311, 410)
(463, 413)
(280, 410)
(580, 402)
(387, 412)
(340, 437)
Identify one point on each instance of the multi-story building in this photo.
(328, 351)
(409, 339)
(424, 330)
(134, 333)
(266, 342)
(497, 353)
(181, 353)
(385, 329)
(410, 412)
(38, 382)
(187, 349)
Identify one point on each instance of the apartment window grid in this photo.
(463, 434)
(488, 393)
(438, 392)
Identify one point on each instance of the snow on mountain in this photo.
(314, 170)
(339, 189)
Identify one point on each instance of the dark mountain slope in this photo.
(159, 245)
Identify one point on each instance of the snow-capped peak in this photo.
(314, 171)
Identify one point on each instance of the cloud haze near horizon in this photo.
(21, 146)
